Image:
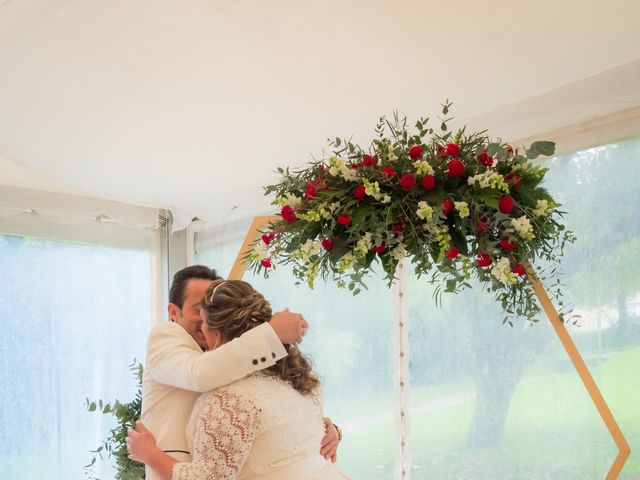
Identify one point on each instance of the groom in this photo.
(177, 370)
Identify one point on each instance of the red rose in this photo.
(266, 262)
(456, 168)
(440, 149)
(328, 243)
(452, 253)
(369, 161)
(518, 269)
(484, 259)
(505, 204)
(507, 245)
(311, 191)
(379, 248)
(288, 214)
(447, 207)
(356, 165)
(429, 182)
(483, 225)
(407, 181)
(398, 227)
(416, 152)
(452, 149)
(360, 194)
(344, 219)
(267, 237)
(513, 179)
(509, 149)
(485, 159)
(389, 172)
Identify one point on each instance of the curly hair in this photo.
(234, 307)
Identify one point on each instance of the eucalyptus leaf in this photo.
(541, 148)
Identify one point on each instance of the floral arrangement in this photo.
(455, 204)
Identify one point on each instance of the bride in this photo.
(266, 426)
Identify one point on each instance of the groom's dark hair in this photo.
(182, 277)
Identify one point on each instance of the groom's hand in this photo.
(289, 326)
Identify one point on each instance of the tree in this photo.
(500, 355)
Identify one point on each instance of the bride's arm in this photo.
(224, 435)
(225, 432)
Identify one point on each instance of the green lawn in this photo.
(553, 429)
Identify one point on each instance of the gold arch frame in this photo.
(624, 450)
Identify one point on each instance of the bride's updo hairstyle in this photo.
(233, 307)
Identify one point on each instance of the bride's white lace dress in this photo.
(258, 428)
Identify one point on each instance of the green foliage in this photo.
(126, 415)
(375, 207)
(540, 148)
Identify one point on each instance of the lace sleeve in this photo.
(225, 432)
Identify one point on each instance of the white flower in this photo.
(502, 271)
(443, 236)
(424, 211)
(338, 167)
(290, 199)
(391, 154)
(309, 248)
(311, 273)
(398, 253)
(349, 174)
(363, 245)
(259, 252)
(334, 207)
(523, 227)
(323, 212)
(462, 208)
(326, 214)
(309, 216)
(372, 189)
(423, 168)
(489, 179)
(336, 164)
(542, 208)
(346, 262)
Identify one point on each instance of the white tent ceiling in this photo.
(190, 104)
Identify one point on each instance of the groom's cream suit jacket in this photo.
(177, 370)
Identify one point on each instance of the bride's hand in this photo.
(140, 444)
(329, 445)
